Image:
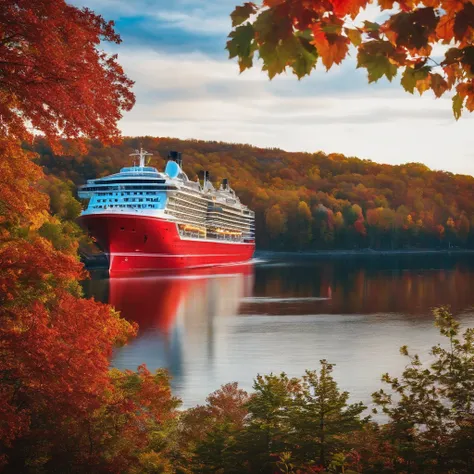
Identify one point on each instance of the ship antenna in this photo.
(142, 154)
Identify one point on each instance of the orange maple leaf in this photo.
(452, 72)
(466, 90)
(431, 3)
(348, 7)
(444, 30)
(273, 3)
(386, 4)
(452, 6)
(331, 50)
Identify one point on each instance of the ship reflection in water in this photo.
(230, 323)
(179, 316)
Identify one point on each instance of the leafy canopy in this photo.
(61, 409)
(295, 34)
(54, 79)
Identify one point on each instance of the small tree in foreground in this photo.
(431, 406)
(286, 425)
(323, 416)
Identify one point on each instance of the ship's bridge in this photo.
(135, 189)
(139, 170)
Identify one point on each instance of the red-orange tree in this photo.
(53, 76)
(60, 408)
(294, 34)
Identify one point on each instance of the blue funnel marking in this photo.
(172, 169)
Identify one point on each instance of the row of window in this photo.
(233, 238)
(116, 188)
(134, 206)
(137, 193)
(132, 200)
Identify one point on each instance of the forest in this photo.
(302, 201)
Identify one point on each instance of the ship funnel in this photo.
(207, 181)
(176, 156)
(225, 183)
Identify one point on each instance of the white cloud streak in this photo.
(195, 96)
(179, 96)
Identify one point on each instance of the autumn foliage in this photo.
(429, 43)
(54, 77)
(308, 201)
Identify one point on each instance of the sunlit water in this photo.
(228, 324)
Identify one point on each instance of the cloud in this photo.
(187, 88)
(195, 23)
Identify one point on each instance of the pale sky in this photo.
(186, 87)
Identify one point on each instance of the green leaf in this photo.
(274, 60)
(242, 44)
(371, 27)
(457, 106)
(306, 34)
(377, 66)
(408, 80)
(265, 25)
(242, 13)
(245, 63)
(332, 28)
(287, 52)
(354, 35)
(304, 63)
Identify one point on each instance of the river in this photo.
(227, 324)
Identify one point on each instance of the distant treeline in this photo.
(303, 201)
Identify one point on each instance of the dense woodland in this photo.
(302, 201)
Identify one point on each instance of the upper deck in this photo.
(170, 194)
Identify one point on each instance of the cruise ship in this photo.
(147, 220)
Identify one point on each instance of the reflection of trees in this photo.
(414, 286)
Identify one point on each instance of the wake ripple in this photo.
(265, 299)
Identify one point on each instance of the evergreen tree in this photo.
(323, 417)
(269, 426)
(431, 406)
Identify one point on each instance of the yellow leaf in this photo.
(423, 85)
(355, 36)
(457, 106)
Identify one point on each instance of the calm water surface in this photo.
(228, 324)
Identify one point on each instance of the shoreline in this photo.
(363, 253)
(98, 261)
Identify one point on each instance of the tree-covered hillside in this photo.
(307, 201)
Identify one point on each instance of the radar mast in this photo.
(142, 154)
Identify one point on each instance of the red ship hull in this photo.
(145, 243)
